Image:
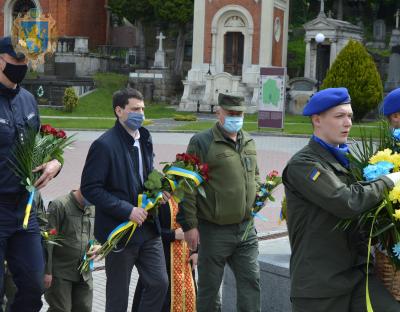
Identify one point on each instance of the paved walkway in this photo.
(273, 153)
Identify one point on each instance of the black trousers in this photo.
(24, 254)
(148, 258)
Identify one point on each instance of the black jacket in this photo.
(110, 178)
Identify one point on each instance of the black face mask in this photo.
(15, 73)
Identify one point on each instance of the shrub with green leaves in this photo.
(355, 69)
(70, 99)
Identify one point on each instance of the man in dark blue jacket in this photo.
(21, 248)
(116, 167)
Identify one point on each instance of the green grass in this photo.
(78, 124)
(99, 102)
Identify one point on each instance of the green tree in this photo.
(355, 69)
(178, 13)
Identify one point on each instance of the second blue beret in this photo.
(391, 103)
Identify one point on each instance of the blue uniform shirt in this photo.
(18, 112)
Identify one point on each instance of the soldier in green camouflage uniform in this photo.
(328, 264)
(68, 290)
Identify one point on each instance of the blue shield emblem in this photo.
(36, 35)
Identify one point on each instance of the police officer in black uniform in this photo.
(21, 248)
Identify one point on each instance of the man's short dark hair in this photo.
(121, 97)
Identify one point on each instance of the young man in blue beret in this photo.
(21, 248)
(391, 108)
(328, 265)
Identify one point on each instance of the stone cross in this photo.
(160, 37)
(322, 9)
(397, 15)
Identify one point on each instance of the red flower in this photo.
(273, 174)
(53, 232)
(61, 134)
(204, 171)
(54, 131)
(194, 160)
(188, 159)
(46, 129)
(179, 157)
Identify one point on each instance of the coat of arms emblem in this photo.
(34, 35)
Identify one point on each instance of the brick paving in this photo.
(273, 153)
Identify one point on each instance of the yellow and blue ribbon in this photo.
(143, 202)
(149, 203)
(28, 209)
(194, 176)
(91, 262)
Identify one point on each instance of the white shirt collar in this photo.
(136, 135)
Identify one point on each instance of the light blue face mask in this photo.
(134, 121)
(233, 124)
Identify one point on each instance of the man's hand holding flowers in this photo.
(138, 215)
(92, 252)
(49, 171)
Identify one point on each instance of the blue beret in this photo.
(7, 47)
(326, 99)
(391, 103)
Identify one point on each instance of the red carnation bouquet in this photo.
(185, 174)
(31, 151)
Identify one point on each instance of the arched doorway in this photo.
(232, 40)
(233, 53)
(14, 7)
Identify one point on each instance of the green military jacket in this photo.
(75, 226)
(231, 189)
(320, 192)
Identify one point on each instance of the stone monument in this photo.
(379, 35)
(232, 40)
(336, 32)
(159, 59)
(393, 80)
(395, 38)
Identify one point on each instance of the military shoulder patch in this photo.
(314, 175)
